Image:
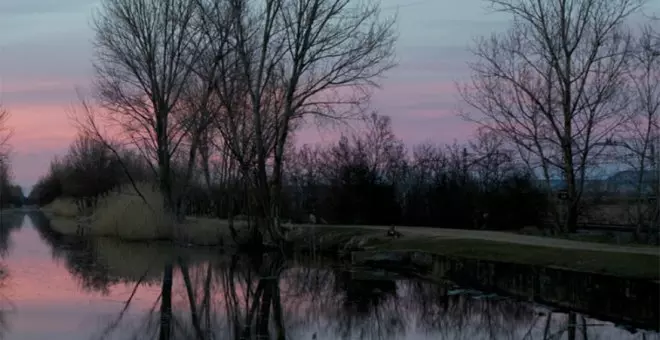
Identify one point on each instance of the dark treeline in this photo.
(366, 177)
(11, 194)
(89, 170)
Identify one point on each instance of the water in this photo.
(68, 288)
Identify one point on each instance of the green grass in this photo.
(596, 237)
(619, 264)
(329, 239)
(605, 238)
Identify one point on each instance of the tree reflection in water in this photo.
(204, 295)
(9, 222)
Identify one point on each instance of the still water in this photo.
(68, 288)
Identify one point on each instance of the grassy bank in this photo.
(605, 237)
(125, 216)
(633, 265)
(613, 263)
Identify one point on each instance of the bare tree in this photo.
(92, 172)
(642, 134)
(144, 52)
(376, 148)
(384, 151)
(5, 132)
(5, 135)
(652, 30)
(491, 159)
(554, 84)
(292, 59)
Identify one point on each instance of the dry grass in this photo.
(64, 208)
(123, 214)
(126, 216)
(620, 212)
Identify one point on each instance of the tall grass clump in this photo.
(62, 207)
(127, 215)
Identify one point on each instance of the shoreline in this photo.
(635, 262)
(557, 290)
(529, 283)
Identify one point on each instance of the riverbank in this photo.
(617, 263)
(131, 216)
(624, 261)
(106, 274)
(641, 262)
(192, 231)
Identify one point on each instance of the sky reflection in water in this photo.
(67, 289)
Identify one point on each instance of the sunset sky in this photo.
(45, 53)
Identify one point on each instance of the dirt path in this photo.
(513, 238)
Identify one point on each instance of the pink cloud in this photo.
(29, 166)
(41, 144)
(39, 123)
(409, 95)
(436, 130)
(40, 131)
(424, 111)
(421, 109)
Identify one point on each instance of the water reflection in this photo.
(9, 221)
(630, 301)
(183, 293)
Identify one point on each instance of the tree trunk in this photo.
(164, 170)
(194, 316)
(570, 225)
(572, 321)
(572, 217)
(166, 305)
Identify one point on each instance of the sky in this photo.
(46, 52)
